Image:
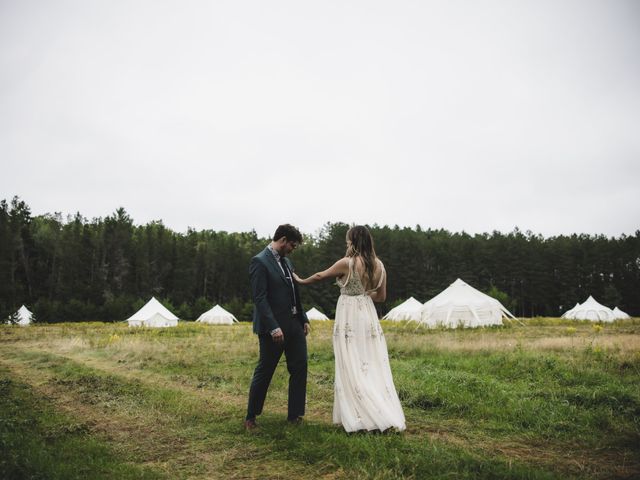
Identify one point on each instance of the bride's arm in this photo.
(341, 267)
(379, 294)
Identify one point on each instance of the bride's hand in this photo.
(297, 278)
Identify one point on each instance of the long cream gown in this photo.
(364, 395)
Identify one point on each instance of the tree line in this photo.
(75, 269)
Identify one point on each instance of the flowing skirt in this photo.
(364, 395)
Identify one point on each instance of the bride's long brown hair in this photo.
(362, 245)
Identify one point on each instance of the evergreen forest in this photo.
(75, 269)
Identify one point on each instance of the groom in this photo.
(280, 323)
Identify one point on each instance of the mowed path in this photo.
(160, 420)
(181, 431)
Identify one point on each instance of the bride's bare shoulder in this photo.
(342, 265)
(344, 261)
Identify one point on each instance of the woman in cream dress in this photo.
(364, 395)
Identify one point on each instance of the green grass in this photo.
(38, 442)
(551, 399)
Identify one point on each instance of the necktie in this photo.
(287, 274)
(284, 267)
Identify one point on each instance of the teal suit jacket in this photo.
(271, 293)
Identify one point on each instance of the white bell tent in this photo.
(461, 305)
(315, 314)
(619, 314)
(408, 310)
(22, 317)
(217, 316)
(591, 310)
(153, 314)
(568, 313)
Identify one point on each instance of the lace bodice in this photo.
(352, 285)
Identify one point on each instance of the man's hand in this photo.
(307, 329)
(277, 336)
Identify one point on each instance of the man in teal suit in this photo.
(280, 323)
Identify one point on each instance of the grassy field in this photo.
(550, 399)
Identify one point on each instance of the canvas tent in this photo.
(591, 310)
(22, 317)
(619, 314)
(568, 313)
(217, 316)
(153, 314)
(408, 310)
(315, 314)
(461, 305)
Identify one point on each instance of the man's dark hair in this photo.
(289, 231)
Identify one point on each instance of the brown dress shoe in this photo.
(250, 424)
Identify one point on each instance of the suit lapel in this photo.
(271, 260)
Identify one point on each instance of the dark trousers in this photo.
(295, 352)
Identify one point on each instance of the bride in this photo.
(364, 395)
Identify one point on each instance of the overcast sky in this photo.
(239, 115)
